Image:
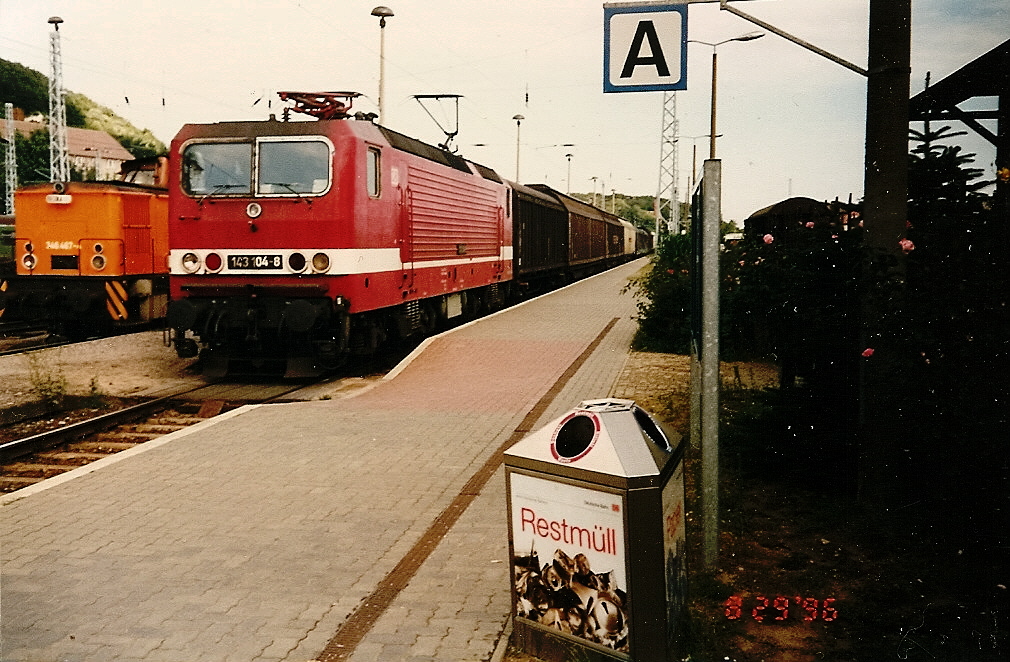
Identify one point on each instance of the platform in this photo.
(364, 528)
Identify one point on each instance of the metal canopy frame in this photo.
(986, 76)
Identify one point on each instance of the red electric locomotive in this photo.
(296, 243)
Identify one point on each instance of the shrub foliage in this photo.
(941, 341)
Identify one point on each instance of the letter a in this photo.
(645, 29)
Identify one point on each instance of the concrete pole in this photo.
(711, 131)
(885, 214)
(709, 361)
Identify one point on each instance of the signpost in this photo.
(644, 46)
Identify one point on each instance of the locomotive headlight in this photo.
(296, 262)
(321, 262)
(29, 261)
(98, 262)
(190, 263)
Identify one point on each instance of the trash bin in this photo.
(596, 536)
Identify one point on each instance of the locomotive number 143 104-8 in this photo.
(255, 262)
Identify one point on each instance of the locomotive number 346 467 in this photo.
(255, 262)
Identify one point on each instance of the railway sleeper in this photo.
(48, 463)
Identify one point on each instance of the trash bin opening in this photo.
(575, 437)
(651, 429)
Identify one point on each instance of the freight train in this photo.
(89, 257)
(295, 244)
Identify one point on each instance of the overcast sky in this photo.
(792, 123)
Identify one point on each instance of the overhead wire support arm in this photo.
(724, 5)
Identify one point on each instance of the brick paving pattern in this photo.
(254, 537)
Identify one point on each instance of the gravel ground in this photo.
(134, 365)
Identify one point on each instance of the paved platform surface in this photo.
(254, 536)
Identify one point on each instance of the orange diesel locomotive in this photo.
(90, 256)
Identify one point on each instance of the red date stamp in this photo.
(762, 608)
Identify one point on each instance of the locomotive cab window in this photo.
(217, 168)
(293, 167)
(276, 166)
(373, 172)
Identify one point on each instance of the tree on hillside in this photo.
(28, 90)
(33, 157)
(139, 142)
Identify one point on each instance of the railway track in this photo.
(25, 462)
(17, 337)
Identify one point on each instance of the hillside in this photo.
(635, 209)
(28, 90)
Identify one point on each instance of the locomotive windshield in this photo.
(293, 167)
(213, 168)
(281, 166)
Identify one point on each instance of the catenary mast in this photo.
(59, 166)
(667, 193)
(10, 160)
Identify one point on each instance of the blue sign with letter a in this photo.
(644, 47)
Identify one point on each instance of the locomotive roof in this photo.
(274, 127)
(436, 154)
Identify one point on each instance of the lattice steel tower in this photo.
(667, 204)
(10, 160)
(59, 166)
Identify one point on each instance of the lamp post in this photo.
(383, 13)
(569, 157)
(98, 160)
(750, 36)
(518, 119)
(694, 156)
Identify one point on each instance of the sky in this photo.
(791, 122)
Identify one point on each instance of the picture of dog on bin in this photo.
(567, 595)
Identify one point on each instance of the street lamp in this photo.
(569, 157)
(750, 36)
(382, 13)
(518, 119)
(694, 155)
(98, 160)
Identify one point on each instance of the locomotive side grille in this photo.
(448, 217)
(495, 295)
(412, 310)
